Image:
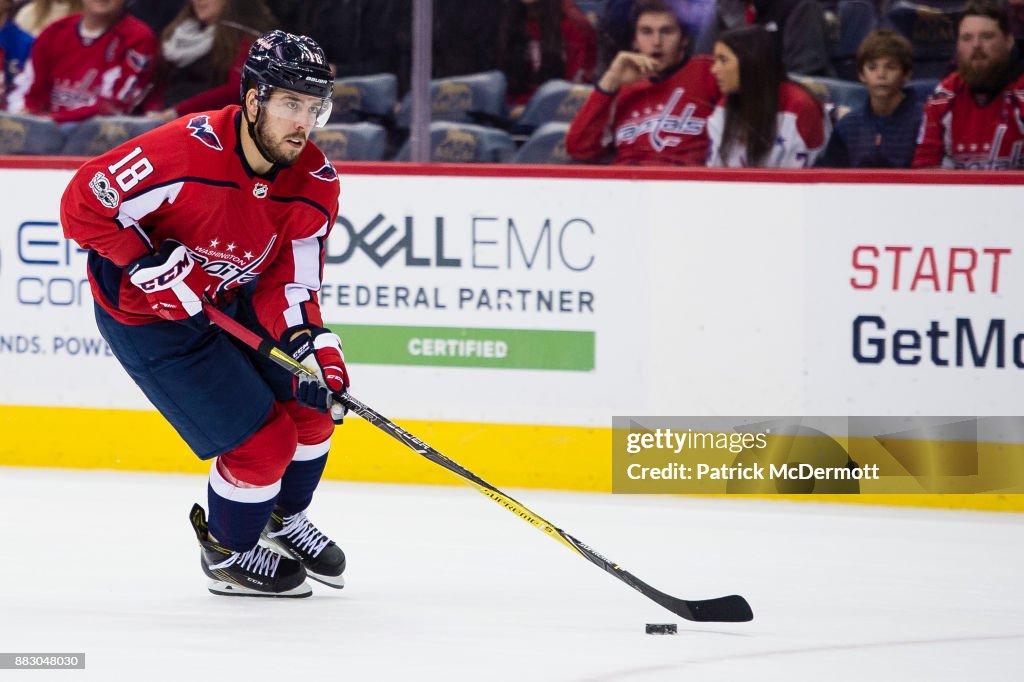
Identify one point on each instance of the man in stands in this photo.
(975, 118)
(96, 63)
(652, 104)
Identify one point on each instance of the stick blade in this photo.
(730, 609)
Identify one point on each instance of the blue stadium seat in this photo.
(931, 29)
(833, 91)
(546, 145)
(102, 133)
(465, 143)
(22, 134)
(476, 98)
(924, 87)
(855, 18)
(365, 98)
(555, 101)
(594, 9)
(351, 141)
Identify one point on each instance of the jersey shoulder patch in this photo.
(203, 131)
(326, 172)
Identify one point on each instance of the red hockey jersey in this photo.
(958, 133)
(189, 180)
(652, 121)
(801, 130)
(71, 78)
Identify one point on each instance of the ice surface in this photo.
(446, 585)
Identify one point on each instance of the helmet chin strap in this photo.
(251, 126)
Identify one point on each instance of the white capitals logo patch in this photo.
(100, 186)
(259, 190)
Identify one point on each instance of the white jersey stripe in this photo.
(306, 256)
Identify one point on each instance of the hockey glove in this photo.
(173, 282)
(320, 350)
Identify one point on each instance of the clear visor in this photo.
(308, 111)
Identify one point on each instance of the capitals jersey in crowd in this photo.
(652, 121)
(189, 180)
(801, 130)
(958, 132)
(70, 77)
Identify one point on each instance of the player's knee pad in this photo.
(312, 426)
(262, 459)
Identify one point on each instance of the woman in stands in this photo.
(763, 120)
(203, 52)
(539, 40)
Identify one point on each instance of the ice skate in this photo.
(260, 572)
(297, 537)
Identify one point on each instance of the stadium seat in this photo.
(593, 9)
(476, 98)
(102, 133)
(365, 98)
(22, 134)
(351, 141)
(465, 143)
(839, 93)
(924, 87)
(931, 29)
(855, 19)
(554, 101)
(546, 145)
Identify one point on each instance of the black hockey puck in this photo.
(661, 628)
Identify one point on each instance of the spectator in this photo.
(651, 105)
(802, 35)
(882, 133)
(537, 42)
(464, 39)
(99, 62)
(359, 37)
(975, 118)
(36, 15)
(156, 14)
(764, 120)
(204, 49)
(15, 45)
(615, 32)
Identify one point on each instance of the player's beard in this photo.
(273, 148)
(981, 74)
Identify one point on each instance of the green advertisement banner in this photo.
(468, 347)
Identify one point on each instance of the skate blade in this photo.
(335, 581)
(222, 588)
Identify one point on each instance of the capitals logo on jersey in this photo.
(661, 125)
(233, 269)
(326, 172)
(203, 131)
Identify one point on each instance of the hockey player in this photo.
(975, 118)
(235, 206)
(651, 105)
(96, 63)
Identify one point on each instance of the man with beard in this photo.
(234, 207)
(652, 104)
(975, 118)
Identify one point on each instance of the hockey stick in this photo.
(732, 608)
